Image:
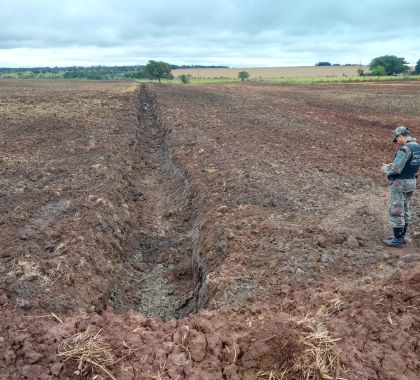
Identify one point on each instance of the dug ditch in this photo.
(164, 277)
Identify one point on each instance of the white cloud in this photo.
(240, 33)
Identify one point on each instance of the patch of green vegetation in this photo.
(209, 170)
(214, 80)
(310, 80)
(194, 81)
(297, 80)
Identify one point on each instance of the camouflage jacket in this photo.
(396, 167)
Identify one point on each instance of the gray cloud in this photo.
(226, 32)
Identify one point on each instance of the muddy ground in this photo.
(206, 232)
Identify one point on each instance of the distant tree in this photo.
(94, 75)
(243, 75)
(184, 79)
(392, 64)
(71, 75)
(378, 71)
(323, 64)
(137, 74)
(360, 72)
(417, 67)
(158, 70)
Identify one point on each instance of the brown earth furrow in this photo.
(160, 279)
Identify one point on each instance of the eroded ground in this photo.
(233, 221)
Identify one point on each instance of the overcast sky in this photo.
(237, 33)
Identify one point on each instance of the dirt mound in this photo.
(364, 334)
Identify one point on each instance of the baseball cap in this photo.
(401, 130)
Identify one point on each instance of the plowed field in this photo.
(204, 232)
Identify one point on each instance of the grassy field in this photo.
(292, 80)
(305, 80)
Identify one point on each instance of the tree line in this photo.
(158, 70)
(384, 65)
(391, 65)
(99, 72)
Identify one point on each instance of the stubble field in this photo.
(274, 72)
(203, 232)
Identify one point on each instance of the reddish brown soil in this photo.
(204, 231)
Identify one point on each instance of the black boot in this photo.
(404, 232)
(398, 238)
(403, 236)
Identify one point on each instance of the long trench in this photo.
(164, 272)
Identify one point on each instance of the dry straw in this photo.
(318, 359)
(90, 351)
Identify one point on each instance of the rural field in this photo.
(274, 72)
(204, 232)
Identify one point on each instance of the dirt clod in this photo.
(56, 369)
(4, 300)
(352, 242)
(9, 357)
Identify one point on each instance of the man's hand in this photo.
(384, 167)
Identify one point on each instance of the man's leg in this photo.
(407, 210)
(396, 217)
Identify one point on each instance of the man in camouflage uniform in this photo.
(402, 174)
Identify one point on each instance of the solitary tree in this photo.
(243, 75)
(184, 78)
(323, 64)
(158, 70)
(417, 67)
(391, 63)
(378, 71)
